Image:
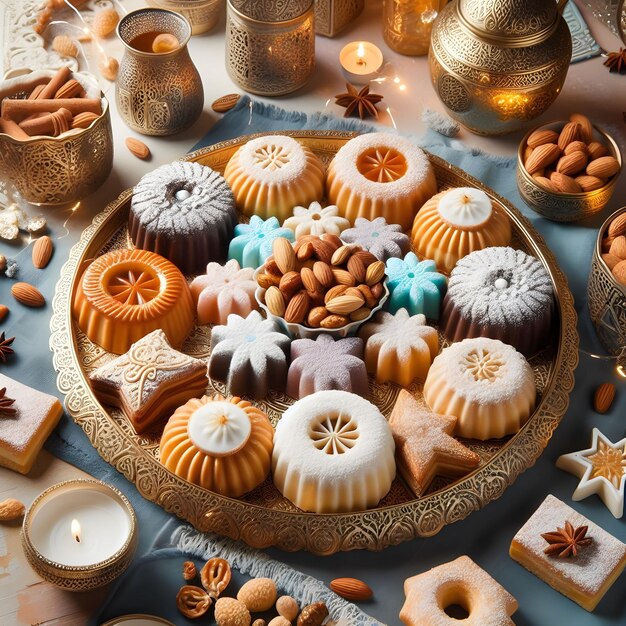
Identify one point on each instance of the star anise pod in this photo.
(566, 541)
(616, 61)
(5, 404)
(362, 102)
(5, 347)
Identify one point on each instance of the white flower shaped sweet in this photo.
(224, 289)
(316, 220)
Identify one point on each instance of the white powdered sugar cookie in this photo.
(316, 220)
(376, 236)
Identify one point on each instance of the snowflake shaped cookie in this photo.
(415, 286)
(253, 242)
(601, 469)
(381, 239)
(223, 290)
(249, 355)
(316, 220)
(325, 364)
(399, 348)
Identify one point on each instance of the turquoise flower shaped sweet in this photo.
(415, 286)
(253, 242)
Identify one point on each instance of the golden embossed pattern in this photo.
(273, 520)
(332, 16)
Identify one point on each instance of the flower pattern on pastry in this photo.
(149, 380)
(253, 242)
(249, 355)
(224, 289)
(601, 469)
(381, 239)
(316, 220)
(415, 286)
(399, 347)
(325, 363)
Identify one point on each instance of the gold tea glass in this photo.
(157, 93)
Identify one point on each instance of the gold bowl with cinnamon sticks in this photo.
(56, 144)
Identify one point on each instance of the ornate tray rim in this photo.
(322, 534)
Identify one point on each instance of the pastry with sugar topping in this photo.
(149, 381)
(460, 582)
(185, 212)
(425, 447)
(399, 347)
(503, 294)
(249, 355)
(333, 453)
(601, 469)
(376, 236)
(584, 572)
(380, 175)
(253, 242)
(272, 174)
(486, 384)
(222, 290)
(27, 417)
(456, 222)
(221, 444)
(316, 220)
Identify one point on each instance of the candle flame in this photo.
(75, 528)
(360, 51)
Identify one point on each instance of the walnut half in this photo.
(193, 601)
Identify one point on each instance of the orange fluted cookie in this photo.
(380, 175)
(272, 174)
(456, 222)
(125, 294)
(221, 444)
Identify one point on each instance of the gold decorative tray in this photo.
(263, 517)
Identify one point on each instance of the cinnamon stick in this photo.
(61, 77)
(34, 94)
(17, 110)
(52, 124)
(11, 128)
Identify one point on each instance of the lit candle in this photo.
(78, 529)
(361, 61)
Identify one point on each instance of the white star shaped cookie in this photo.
(601, 469)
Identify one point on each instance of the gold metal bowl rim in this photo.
(598, 248)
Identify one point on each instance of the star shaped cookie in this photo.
(149, 381)
(459, 582)
(601, 469)
(425, 446)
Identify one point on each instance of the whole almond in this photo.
(351, 589)
(290, 283)
(104, 22)
(618, 226)
(546, 183)
(334, 321)
(618, 247)
(619, 272)
(27, 295)
(4, 309)
(42, 251)
(366, 256)
(377, 290)
(611, 260)
(323, 250)
(541, 136)
(84, 120)
(527, 152)
(356, 267)
(275, 301)
(316, 315)
(360, 314)
(542, 156)
(284, 255)
(589, 183)
(334, 292)
(341, 255)
(604, 167)
(603, 397)
(11, 509)
(586, 128)
(606, 244)
(564, 183)
(571, 132)
(69, 89)
(575, 146)
(309, 281)
(370, 300)
(225, 103)
(332, 240)
(344, 305)
(137, 147)
(343, 277)
(305, 251)
(596, 150)
(572, 163)
(270, 267)
(316, 298)
(298, 308)
(375, 273)
(324, 274)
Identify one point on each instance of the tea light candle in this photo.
(79, 530)
(361, 61)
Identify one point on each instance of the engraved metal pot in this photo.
(270, 48)
(606, 297)
(332, 16)
(203, 15)
(497, 64)
(157, 93)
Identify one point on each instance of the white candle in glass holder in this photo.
(361, 61)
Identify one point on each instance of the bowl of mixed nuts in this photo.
(319, 285)
(567, 171)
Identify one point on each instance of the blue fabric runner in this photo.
(151, 584)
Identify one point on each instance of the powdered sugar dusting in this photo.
(316, 220)
(381, 239)
(272, 159)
